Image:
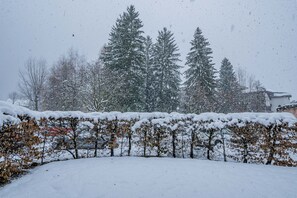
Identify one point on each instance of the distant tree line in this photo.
(133, 73)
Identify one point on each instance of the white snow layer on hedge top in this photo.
(261, 118)
(10, 113)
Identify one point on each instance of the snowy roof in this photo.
(277, 94)
(282, 94)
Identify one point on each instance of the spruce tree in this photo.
(149, 77)
(200, 81)
(166, 72)
(123, 60)
(229, 90)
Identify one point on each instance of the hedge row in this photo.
(247, 137)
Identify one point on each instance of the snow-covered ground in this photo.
(153, 177)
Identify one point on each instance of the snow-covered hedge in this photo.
(11, 113)
(269, 138)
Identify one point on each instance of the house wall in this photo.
(275, 102)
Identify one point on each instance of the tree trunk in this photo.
(122, 142)
(224, 149)
(111, 145)
(245, 153)
(272, 150)
(183, 154)
(96, 148)
(36, 103)
(96, 142)
(192, 145)
(129, 143)
(114, 132)
(43, 148)
(73, 155)
(209, 144)
(144, 143)
(173, 144)
(73, 124)
(158, 145)
(75, 147)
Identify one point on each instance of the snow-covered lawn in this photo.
(153, 177)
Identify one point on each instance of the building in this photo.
(264, 100)
(276, 99)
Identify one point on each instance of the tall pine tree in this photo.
(149, 77)
(229, 90)
(166, 72)
(200, 81)
(123, 60)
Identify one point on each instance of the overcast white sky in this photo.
(260, 36)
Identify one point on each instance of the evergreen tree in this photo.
(166, 72)
(123, 60)
(200, 81)
(149, 77)
(229, 90)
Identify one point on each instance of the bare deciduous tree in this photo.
(253, 97)
(32, 81)
(94, 91)
(14, 96)
(66, 83)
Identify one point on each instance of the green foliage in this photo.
(200, 81)
(229, 90)
(123, 59)
(166, 72)
(149, 93)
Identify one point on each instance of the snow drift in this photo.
(153, 177)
